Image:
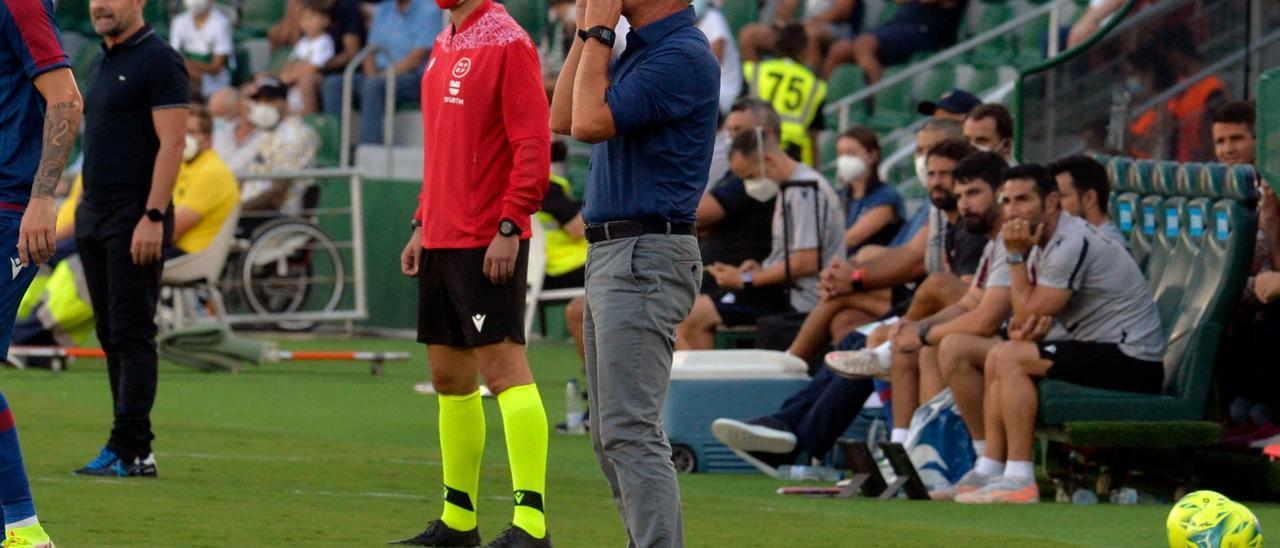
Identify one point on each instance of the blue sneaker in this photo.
(107, 463)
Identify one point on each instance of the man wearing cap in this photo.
(135, 116)
(953, 105)
(287, 144)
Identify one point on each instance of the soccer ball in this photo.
(1206, 519)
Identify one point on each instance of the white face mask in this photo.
(196, 6)
(982, 148)
(221, 124)
(761, 188)
(263, 116)
(922, 172)
(191, 149)
(850, 168)
(699, 7)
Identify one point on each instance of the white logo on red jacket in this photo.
(462, 67)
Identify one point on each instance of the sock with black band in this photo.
(462, 431)
(524, 423)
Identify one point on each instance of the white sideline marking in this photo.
(86, 479)
(273, 458)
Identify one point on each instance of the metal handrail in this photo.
(843, 105)
(361, 309)
(348, 76)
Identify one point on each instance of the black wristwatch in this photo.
(602, 33)
(508, 228)
(416, 224)
(155, 215)
(924, 334)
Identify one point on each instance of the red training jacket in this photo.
(487, 132)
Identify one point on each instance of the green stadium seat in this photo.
(1239, 183)
(983, 79)
(73, 16)
(1001, 50)
(1117, 174)
(243, 72)
(1031, 42)
(1140, 177)
(1187, 180)
(894, 107)
(740, 13)
(82, 64)
(256, 16)
(1216, 278)
(1213, 180)
(845, 81)
(827, 146)
(886, 13)
(937, 81)
(329, 127)
(531, 14)
(278, 59)
(1163, 178)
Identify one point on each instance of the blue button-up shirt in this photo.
(664, 95)
(399, 33)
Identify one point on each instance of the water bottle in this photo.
(801, 472)
(1124, 495)
(1084, 497)
(573, 409)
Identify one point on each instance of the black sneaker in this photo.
(439, 534)
(515, 537)
(142, 467)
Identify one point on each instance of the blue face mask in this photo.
(699, 7)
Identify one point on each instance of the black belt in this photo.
(630, 229)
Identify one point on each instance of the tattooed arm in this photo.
(61, 123)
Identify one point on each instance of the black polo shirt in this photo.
(126, 83)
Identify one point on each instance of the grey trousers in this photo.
(638, 290)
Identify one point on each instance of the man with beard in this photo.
(913, 356)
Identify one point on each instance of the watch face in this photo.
(508, 228)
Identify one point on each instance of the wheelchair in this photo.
(285, 265)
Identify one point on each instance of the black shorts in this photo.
(1101, 365)
(748, 305)
(899, 41)
(568, 280)
(458, 306)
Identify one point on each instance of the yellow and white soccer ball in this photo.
(1206, 519)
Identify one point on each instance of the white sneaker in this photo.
(747, 437)
(856, 364)
(972, 481)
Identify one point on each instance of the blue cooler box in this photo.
(710, 384)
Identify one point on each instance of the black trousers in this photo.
(124, 297)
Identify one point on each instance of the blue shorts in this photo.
(12, 289)
(899, 41)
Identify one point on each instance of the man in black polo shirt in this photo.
(135, 129)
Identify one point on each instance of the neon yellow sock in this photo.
(524, 422)
(461, 448)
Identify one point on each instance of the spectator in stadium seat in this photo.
(825, 22)
(805, 234)
(1170, 59)
(712, 23)
(561, 215)
(202, 34)
(943, 247)
(1234, 138)
(404, 31)
(223, 106)
(918, 26)
(1085, 192)
(303, 70)
(910, 355)
(989, 128)
(874, 210)
(953, 105)
(794, 91)
(1247, 381)
(1061, 273)
(346, 29)
(287, 144)
(237, 139)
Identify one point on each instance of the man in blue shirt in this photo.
(404, 31)
(652, 116)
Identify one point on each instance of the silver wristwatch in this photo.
(1015, 258)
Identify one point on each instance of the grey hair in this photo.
(952, 128)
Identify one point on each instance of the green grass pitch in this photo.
(324, 454)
